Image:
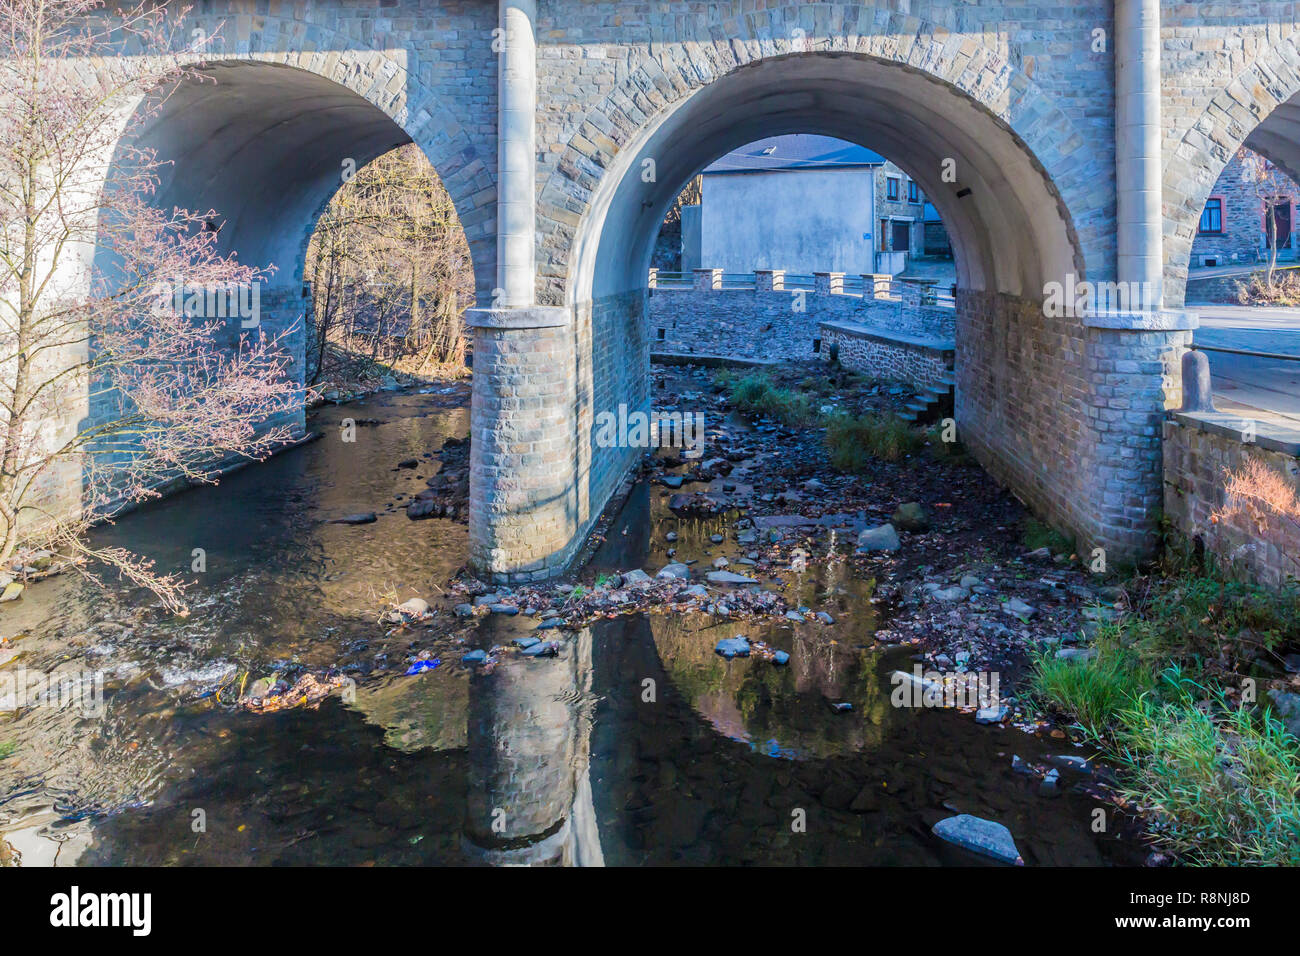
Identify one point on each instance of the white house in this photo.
(805, 204)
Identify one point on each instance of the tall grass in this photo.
(853, 441)
(1219, 780)
(755, 394)
(1095, 692)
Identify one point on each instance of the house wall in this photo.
(900, 209)
(1201, 452)
(803, 221)
(1242, 239)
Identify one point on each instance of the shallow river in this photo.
(636, 745)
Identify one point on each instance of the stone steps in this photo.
(931, 404)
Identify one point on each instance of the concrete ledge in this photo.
(894, 338)
(1166, 320)
(1268, 436)
(707, 361)
(529, 317)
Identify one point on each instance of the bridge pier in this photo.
(522, 494)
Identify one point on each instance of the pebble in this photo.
(730, 647)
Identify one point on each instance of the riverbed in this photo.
(635, 745)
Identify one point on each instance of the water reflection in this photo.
(529, 797)
(636, 744)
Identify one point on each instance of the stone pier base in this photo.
(1067, 412)
(523, 522)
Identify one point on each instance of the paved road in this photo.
(1249, 383)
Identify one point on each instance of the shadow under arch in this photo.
(266, 146)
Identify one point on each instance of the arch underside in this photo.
(1028, 384)
(1277, 138)
(264, 146)
(1010, 230)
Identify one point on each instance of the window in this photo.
(1212, 217)
(891, 188)
(913, 194)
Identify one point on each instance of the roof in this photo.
(795, 151)
(932, 214)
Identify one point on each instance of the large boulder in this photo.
(1286, 707)
(880, 538)
(728, 577)
(674, 570)
(910, 517)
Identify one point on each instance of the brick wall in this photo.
(1067, 416)
(1199, 454)
(1242, 238)
(918, 362)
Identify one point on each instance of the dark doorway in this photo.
(901, 240)
(1277, 227)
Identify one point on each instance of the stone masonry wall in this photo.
(1067, 416)
(749, 324)
(1197, 462)
(620, 375)
(1242, 239)
(916, 362)
(522, 419)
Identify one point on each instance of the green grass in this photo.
(853, 441)
(943, 450)
(1035, 535)
(1096, 691)
(755, 394)
(1206, 615)
(6, 748)
(1218, 779)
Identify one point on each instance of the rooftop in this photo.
(795, 151)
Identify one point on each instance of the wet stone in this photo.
(979, 836)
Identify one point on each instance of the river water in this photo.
(635, 745)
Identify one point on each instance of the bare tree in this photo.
(112, 378)
(390, 269)
(1269, 184)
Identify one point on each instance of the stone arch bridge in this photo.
(1077, 141)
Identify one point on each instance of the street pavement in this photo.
(1251, 384)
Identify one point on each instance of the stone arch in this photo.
(281, 125)
(375, 58)
(1048, 148)
(1259, 108)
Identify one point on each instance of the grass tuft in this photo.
(754, 394)
(1218, 779)
(1035, 535)
(854, 441)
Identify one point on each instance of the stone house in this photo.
(806, 204)
(1234, 225)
